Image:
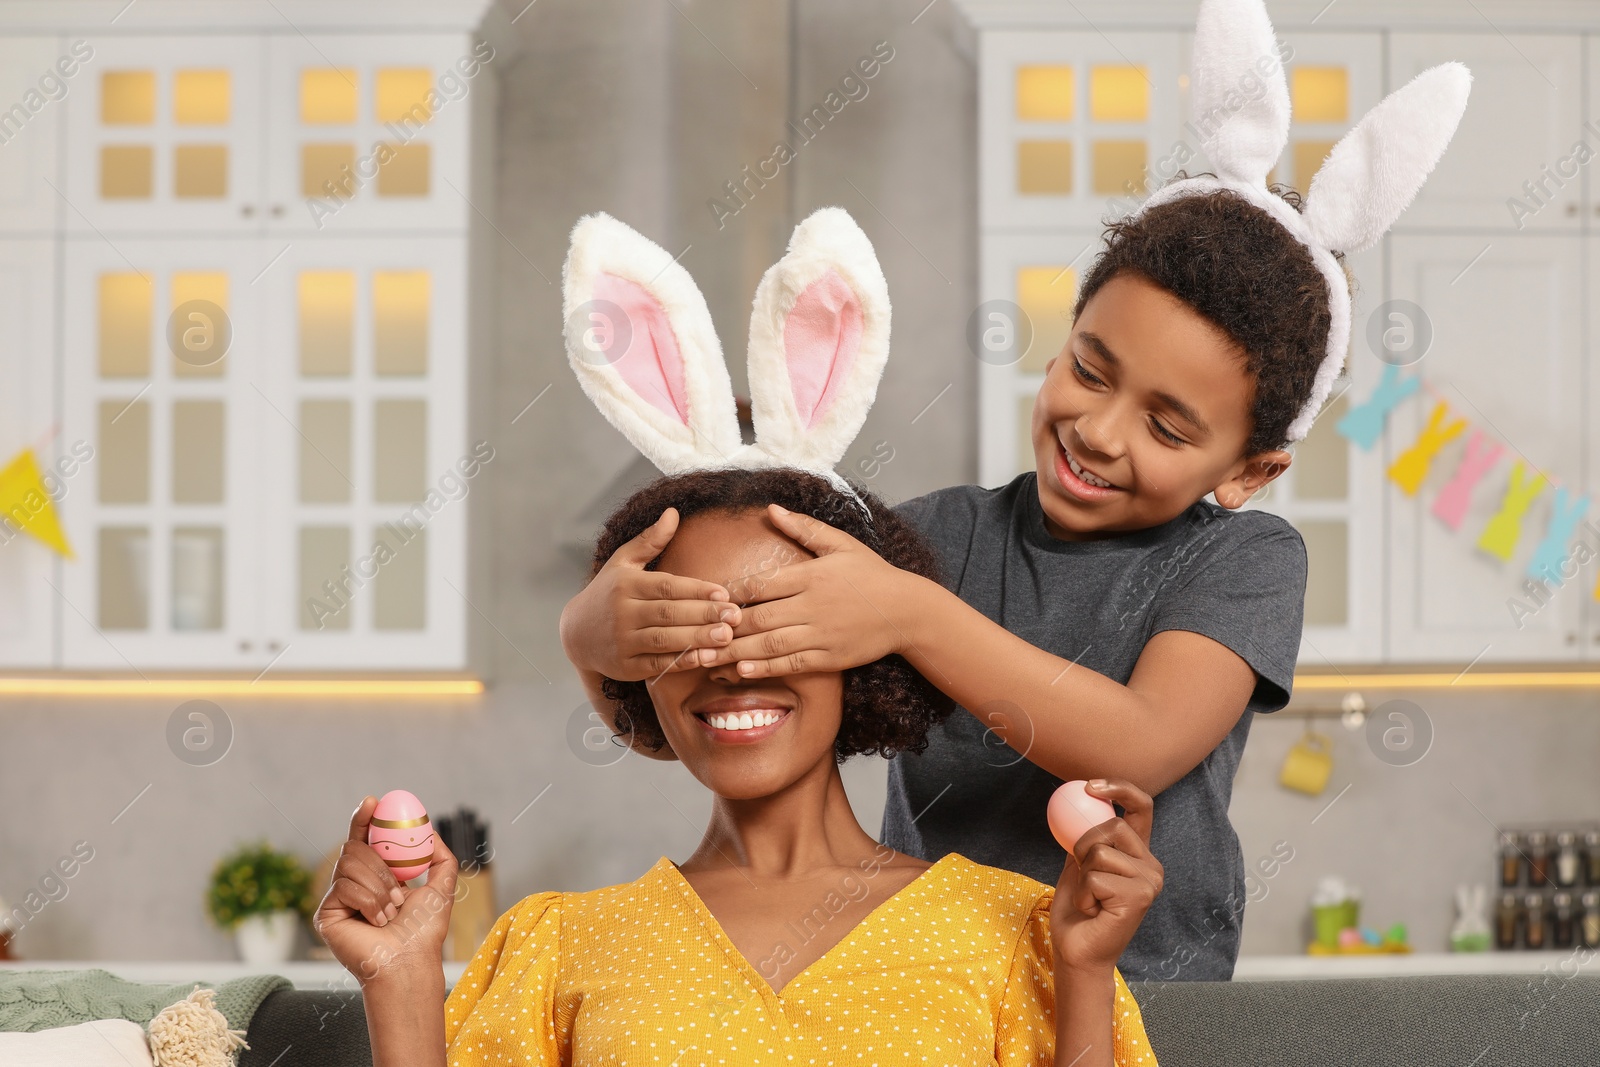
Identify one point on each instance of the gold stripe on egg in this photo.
(400, 824)
(409, 863)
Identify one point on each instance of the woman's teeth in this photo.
(743, 720)
(1085, 475)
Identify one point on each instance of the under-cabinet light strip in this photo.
(1469, 679)
(241, 687)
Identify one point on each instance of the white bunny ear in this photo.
(819, 337)
(1376, 169)
(1240, 110)
(640, 339)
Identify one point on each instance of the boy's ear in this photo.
(1251, 477)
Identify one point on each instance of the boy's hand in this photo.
(1107, 884)
(372, 923)
(630, 624)
(825, 614)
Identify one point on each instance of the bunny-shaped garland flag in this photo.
(1369, 178)
(641, 341)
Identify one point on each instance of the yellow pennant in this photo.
(26, 507)
(1501, 535)
(1411, 469)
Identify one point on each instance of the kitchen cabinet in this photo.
(263, 243)
(1508, 356)
(29, 571)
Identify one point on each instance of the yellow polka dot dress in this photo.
(955, 968)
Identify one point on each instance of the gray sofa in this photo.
(1549, 1020)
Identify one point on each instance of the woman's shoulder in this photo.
(1007, 895)
(550, 905)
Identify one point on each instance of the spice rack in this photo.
(1548, 884)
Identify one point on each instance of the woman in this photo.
(789, 936)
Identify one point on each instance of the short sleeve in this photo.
(504, 1009)
(1025, 1033)
(1242, 583)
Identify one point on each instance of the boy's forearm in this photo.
(1085, 1016)
(405, 1018)
(1068, 719)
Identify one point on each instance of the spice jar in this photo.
(1510, 858)
(1533, 932)
(1591, 919)
(1566, 864)
(1562, 926)
(1538, 857)
(1507, 920)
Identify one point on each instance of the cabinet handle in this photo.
(273, 646)
(247, 210)
(277, 211)
(244, 646)
(1572, 209)
(1572, 637)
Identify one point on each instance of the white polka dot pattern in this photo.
(953, 969)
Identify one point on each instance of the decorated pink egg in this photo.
(401, 834)
(1073, 812)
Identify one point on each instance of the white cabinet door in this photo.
(165, 137)
(370, 132)
(1029, 285)
(29, 570)
(1506, 355)
(1074, 125)
(37, 74)
(1588, 580)
(1333, 494)
(1334, 79)
(162, 349)
(364, 529)
(1514, 146)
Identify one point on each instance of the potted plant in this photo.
(261, 895)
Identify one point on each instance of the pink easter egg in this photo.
(401, 834)
(1073, 813)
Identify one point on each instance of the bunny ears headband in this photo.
(1368, 179)
(640, 338)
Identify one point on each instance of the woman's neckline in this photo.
(700, 908)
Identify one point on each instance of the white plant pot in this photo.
(268, 939)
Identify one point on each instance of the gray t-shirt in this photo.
(1237, 577)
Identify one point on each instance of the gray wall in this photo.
(625, 106)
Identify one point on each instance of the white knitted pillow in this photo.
(102, 1043)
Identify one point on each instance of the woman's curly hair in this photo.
(888, 706)
(1241, 270)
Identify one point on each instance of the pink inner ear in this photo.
(644, 350)
(821, 337)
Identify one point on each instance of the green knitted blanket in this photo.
(43, 1000)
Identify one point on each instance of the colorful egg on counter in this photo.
(1072, 813)
(401, 834)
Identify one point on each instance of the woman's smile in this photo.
(743, 720)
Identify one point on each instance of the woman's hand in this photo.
(375, 925)
(1107, 884)
(830, 613)
(630, 624)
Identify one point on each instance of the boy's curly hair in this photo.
(1240, 269)
(888, 706)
